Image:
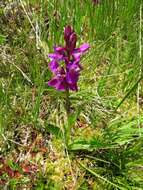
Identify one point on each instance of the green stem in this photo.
(67, 104)
(68, 112)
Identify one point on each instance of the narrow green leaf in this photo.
(100, 177)
(54, 130)
(129, 92)
(2, 39)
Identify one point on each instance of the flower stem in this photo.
(68, 112)
(67, 103)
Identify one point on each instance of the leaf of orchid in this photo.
(54, 130)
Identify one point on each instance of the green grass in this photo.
(105, 151)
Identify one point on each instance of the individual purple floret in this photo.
(65, 77)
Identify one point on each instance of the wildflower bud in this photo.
(72, 41)
(67, 32)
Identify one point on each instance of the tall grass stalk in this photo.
(141, 67)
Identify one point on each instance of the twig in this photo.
(24, 75)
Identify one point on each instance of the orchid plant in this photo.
(65, 65)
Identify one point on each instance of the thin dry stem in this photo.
(141, 68)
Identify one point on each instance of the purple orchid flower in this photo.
(66, 77)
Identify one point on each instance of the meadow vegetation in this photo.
(105, 146)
